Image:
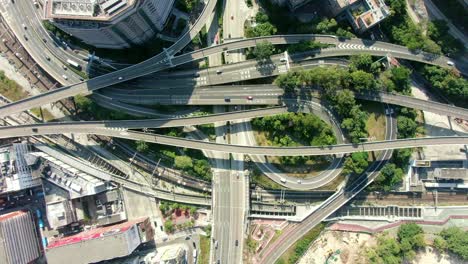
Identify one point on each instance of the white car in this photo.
(299, 181)
(283, 180)
(120, 78)
(450, 63)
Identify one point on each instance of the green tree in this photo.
(142, 146)
(263, 50)
(440, 244)
(457, 241)
(400, 76)
(361, 62)
(183, 162)
(343, 101)
(356, 163)
(401, 157)
(168, 226)
(362, 81)
(389, 177)
(260, 30)
(411, 238)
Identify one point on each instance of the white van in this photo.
(283, 180)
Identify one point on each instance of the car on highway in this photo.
(44, 40)
(232, 17)
(216, 244)
(120, 78)
(389, 111)
(47, 58)
(196, 74)
(227, 100)
(237, 242)
(299, 181)
(65, 77)
(283, 60)
(283, 180)
(219, 71)
(450, 63)
(24, 26)
(64, 67)
(250, 98)
(25, 37)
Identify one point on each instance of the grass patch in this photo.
(47, 115)
(11, 89)
(375, 124)
(205, 243)
(298, 249)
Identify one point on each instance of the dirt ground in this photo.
(352, 246)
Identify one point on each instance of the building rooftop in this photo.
(15, 168)
(76, 182)
(99, 10)
(98, 244)
(59, 214)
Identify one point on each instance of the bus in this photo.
(74, 64)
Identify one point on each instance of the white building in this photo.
(112, 24)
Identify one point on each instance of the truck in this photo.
(74, 64)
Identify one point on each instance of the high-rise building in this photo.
(19, 243)
(112, 24)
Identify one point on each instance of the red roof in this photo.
(95, 233)
(11, 215)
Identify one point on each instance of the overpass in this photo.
(162, 62)
(262, 94)
(253, 150)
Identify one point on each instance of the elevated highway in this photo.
(254, 150)
(166, 60)
(72, 126)
(262, 94)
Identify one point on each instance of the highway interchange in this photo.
(241, 140)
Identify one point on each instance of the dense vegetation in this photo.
(454, 87)
(390, 251)
(455, 240)
(399, 27)
(286, 23)
(292, 129)
(356, 163)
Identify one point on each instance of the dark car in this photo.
(237, 243)
(227, 100)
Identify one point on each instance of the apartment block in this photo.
(113, 24)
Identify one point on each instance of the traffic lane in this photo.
(31, 13)
(36, 45)
(254, 98)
